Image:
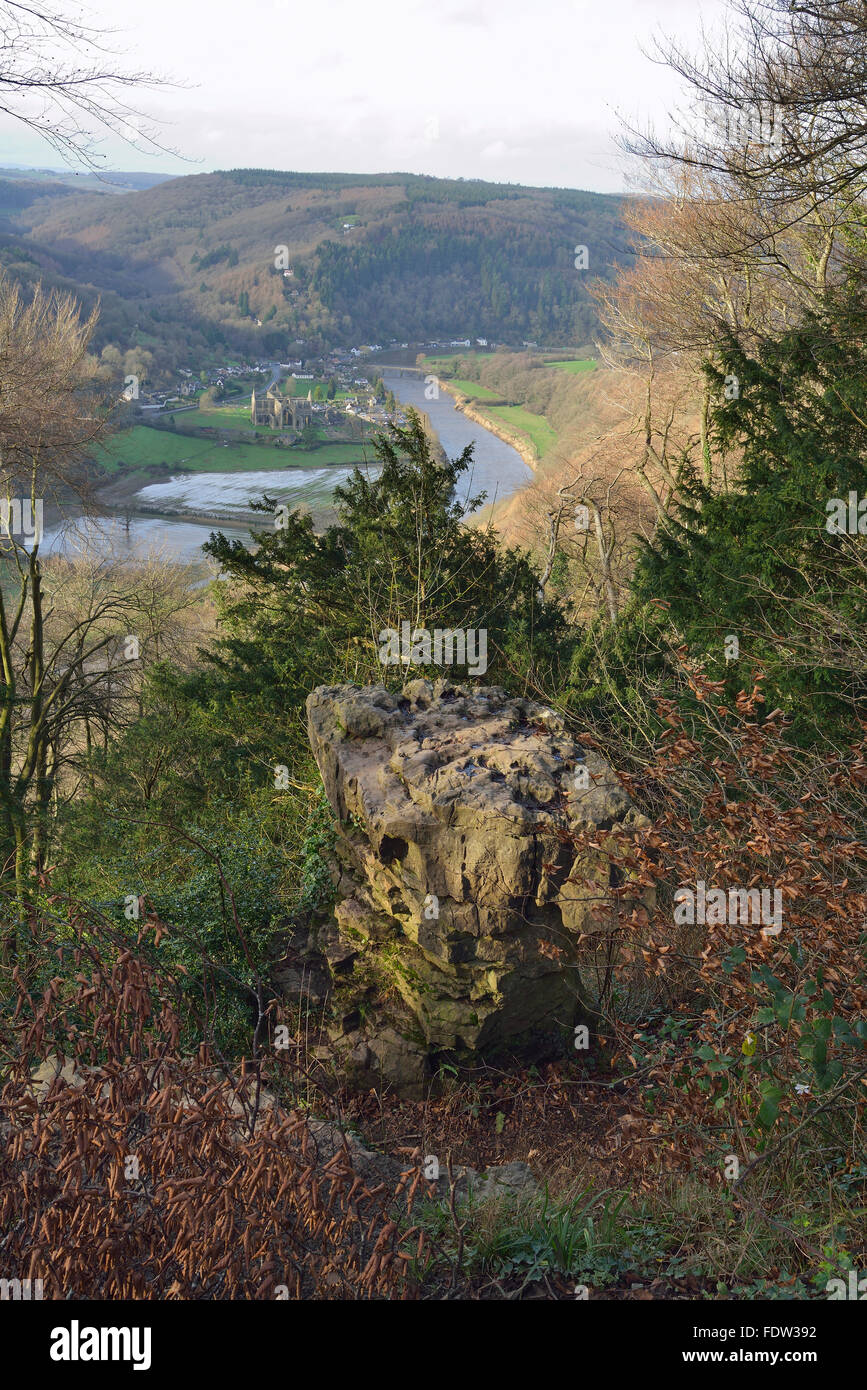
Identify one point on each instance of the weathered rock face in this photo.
(463, 891)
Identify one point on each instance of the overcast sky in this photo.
(524, 91)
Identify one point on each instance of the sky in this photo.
(521, 91)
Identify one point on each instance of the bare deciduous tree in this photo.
(777, 106)
(58, 77)
(63, 622)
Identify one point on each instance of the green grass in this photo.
(338, 452)
(475, 391)
(574, 365)
(535, 427)
(300, 388)
(142, 447)
(447, 358)
(682, 1229)
(223, 418)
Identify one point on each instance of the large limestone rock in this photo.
(470, 911)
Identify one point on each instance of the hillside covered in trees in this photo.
(338, 259)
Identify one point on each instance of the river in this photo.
(498, 469)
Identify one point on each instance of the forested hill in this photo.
(190, 263)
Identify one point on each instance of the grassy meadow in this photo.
(535, 427)
(142, 448)
(574, 365)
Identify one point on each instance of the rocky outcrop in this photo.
(470, 905)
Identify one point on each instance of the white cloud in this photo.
(468, 87)
(498, 150)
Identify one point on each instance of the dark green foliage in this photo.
(199, 829)
(755, 559)
(525, 285)
(304, 609)
(614, 667)
(220, 253)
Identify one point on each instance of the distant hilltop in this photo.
(255, 262)
(111, 179)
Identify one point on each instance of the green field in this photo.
(447, 358)
(475, 391)
(141, 448)
(340, 451)
(586, 364)
(535, 427)
(300, 388)
(336, 452)
(233, 417)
